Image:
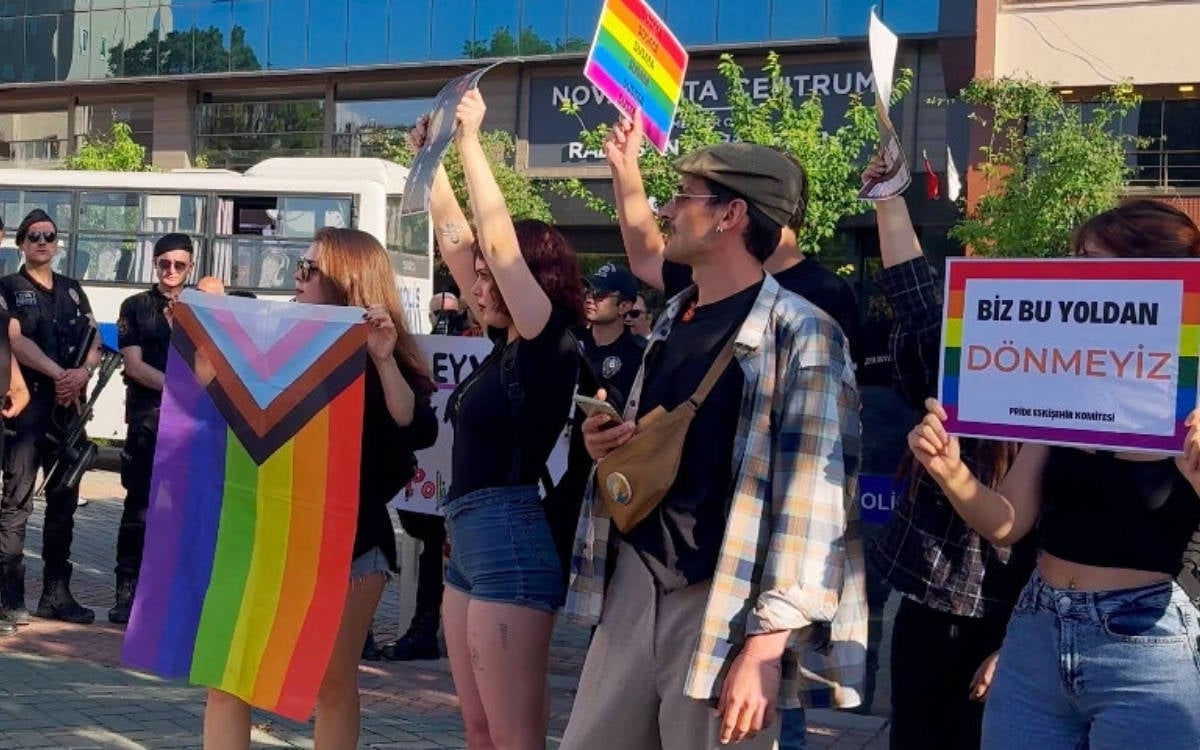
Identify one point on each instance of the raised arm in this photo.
(1002, 516)
(528, 305)
(644, 242)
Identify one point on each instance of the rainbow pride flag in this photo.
(639, 65)
(253, 500)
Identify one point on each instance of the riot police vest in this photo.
(56, 319)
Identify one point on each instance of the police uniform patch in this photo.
(610, 367)
(74, 295)
(618, 488)
(26, 298)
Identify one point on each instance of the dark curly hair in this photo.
(1141, 228)
(553, 264)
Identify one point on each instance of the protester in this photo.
(638, 318)
(754, 545)
(1101, 648)
(54, 318)
(957, 589)
(144, 337)
(349, 267)
(211, 285)
(504, 580)
(645, 247)
(613, 352)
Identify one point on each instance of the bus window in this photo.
(117, 232)
(257, 262)
(15, 204)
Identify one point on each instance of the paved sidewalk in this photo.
(62, 686)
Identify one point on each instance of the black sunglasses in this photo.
(36, 237)
(166, 265)
(306, 268)
(633, 314)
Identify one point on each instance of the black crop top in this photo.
(1103, 511)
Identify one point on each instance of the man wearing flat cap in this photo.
(741, 590)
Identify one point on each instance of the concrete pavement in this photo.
(62, 686)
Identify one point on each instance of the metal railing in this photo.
(42, 152)
(1165, 168)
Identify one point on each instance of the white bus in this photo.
(249, 230)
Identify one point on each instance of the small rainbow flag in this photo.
(639, 65)
(254, 499)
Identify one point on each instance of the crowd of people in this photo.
(707, 525)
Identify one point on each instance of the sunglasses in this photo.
(306, 268)
(598, 296)
(178, 265)
(38, 237)
(633, 314)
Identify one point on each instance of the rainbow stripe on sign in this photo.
(254, 499)
(960, 271)
(639, 65)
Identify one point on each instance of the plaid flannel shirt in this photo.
(792, 557)
(927, 552)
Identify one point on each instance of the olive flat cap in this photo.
(763, 176)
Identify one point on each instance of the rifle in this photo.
(75, 452)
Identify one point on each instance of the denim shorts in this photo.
(371, 561)
(1098, 670)
(501, 549)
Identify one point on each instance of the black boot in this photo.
(12, 594)
(126, 587)
(419, 643)
(370, 649)
(58, 604)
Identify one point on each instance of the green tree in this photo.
(115, 151)
(522, 194)
(503, 44)
(833, 159)
(183, 52)
(1048, 165)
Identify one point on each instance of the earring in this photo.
(720, 229)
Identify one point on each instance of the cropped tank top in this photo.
(1103, 511)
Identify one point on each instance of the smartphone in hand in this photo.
(592, 407)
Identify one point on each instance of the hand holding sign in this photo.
(1189, 462)
(937, 450)
(469, 114)
(895, 175)
(623, 145)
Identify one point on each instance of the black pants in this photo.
(934, 658)
(137, 459)
(431, 531)
(25, 452)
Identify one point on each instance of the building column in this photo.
(174, 127)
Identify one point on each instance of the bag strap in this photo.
(714, 373)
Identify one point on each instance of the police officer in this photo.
(54, 318)
(613, 351)
(144, 335)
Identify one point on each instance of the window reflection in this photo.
(286, 44)
(545, 20)
(210, 36)
(798, 19)
(743, 20)
(368, 42)
(694, 22)
(248, 35)
(327, 33)
(409, 30)
(496, 31)
(12, 41)
(237, 135)
(848, 18)
(41, 59)
(453, 28)
(369, 127)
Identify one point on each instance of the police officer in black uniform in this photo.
(613, 351)
(144, 336)
(54, 318)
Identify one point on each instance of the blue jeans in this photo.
(1101, 670)
(793, 729)
(501, 549)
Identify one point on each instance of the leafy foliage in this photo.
(1048, 165)
(503, 44)
(833, 159)
(182, 52)
(115, 151)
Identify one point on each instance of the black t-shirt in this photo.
(142, 322)
(615, 365)
(55, 319)
(486, 437)
(680, 540)
(808, 278)
(388, 461)
(5, 356)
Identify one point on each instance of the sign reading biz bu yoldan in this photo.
(1085, 352)
(639, 65)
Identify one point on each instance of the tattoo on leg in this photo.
(452, 231)
(476, 662)
(504, 635)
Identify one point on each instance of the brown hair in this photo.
(553, 264)
(990, 461)
(356, 268)
(1141, 228)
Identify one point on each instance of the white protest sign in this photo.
(897, 175)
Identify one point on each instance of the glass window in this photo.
(693, 21)
(497, 34)
(408, 31)
(285, 48)
(109, 212)
(107, 4)
(11, 8)
(453, 28)
(798, 19)
(12, 41)
(302, 216)
(364, 127)
(743, 21)
(248, 35)
(117, 232)
(98, 119)
(407, 233)
(544, 21)
(141, 54)
(257, 263)
(327, 33)
(911, 16)
(15, 204)
(582, 16)
(236, 135)
(107, 54)
(210, 37)
(33, 139)
(260, 237)
(368, 45)
(41, 58)
(848, 18)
